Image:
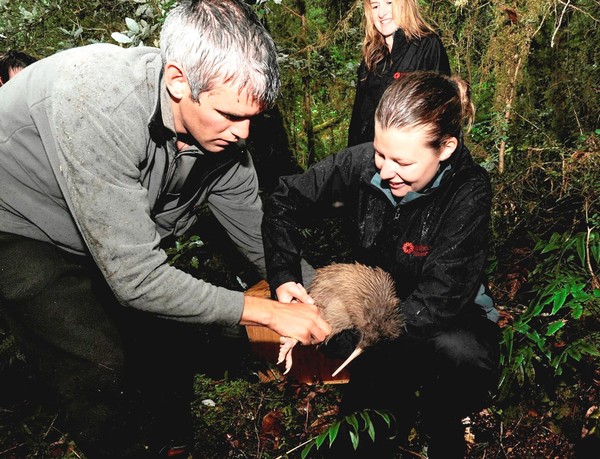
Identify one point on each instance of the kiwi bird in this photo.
(353, 295)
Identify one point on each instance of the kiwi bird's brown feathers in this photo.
(353, 295)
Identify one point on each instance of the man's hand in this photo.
(299, 320)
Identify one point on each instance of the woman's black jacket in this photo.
(426, 53)
(434, 243)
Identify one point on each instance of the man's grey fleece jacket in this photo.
(88, 163)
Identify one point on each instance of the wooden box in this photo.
(310, 366)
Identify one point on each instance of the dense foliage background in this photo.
(534, 68)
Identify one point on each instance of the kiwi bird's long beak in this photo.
(355, 354)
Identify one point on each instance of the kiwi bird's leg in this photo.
(286, 344)
(354, 354)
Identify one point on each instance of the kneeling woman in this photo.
(419, 208)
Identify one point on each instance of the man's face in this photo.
(219, 118)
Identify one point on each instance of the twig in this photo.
(574, 111)
(50, 427)
(518, 422)
(11, 449)
(326, 124)
(413, 453)
(582, 11)
(294, 448)
(588, 255)
(256, 428)
(307, 414)
(539, 130)
(507, 112)
(559, 23)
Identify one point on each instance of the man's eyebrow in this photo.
(232, 115)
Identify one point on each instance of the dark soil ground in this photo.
(268, 419)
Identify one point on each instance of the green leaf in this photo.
(555, 326)
(576, 311)
(580, 247)
(120, 38)
(132, 25)
(588, 348)
(306, 450)
(333, 431)
(558, 360)
(521, 328)
(559, 298)
(351, 419)
(385, 416)
(578, 293)
(553, 244)
(519, 360)
(321, 438)
(520, 375)
(538, 308)
(368, 424)
(595, 251)
(530, 371)
(508, 338)
(574, 352)
(534, 336)
(354, 439)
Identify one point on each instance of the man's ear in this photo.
(448, 147)
(176, 81)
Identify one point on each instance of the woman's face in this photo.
(381, 15)
(405, 160)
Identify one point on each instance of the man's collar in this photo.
(162, 124)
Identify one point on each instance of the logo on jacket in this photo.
(398, 75)
(415, 250)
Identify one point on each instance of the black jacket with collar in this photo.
(434, 243)
(426, 53)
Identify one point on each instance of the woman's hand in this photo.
(293, 292)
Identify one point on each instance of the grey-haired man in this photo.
(105, 153)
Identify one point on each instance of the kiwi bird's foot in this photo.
(286, 344)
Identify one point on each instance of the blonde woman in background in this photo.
(397, 41)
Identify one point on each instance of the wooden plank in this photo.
(310, 365)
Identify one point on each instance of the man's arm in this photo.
(300, 321)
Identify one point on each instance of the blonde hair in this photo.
(427, 98)
(407, 17)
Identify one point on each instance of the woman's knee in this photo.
(464, 352)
